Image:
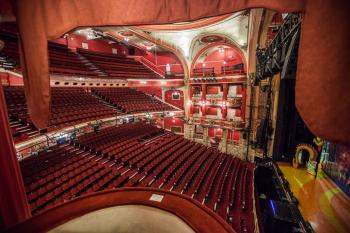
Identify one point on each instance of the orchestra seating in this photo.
(131, 101)
(20, 123)
(141, 155)
(117, 66)
(68, 105)
(76, 105)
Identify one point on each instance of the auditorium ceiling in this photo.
(186, 38)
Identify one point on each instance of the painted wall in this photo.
(10, 79)
(75, 41)
(168, 97)
(233, 135)
(163, 58)
(214, 132)
(169, 122)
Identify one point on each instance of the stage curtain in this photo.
(325, 28)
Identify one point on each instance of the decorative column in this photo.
(223, 143)
(224, 100)
(204, 99)
(14, 207)
(190, 102)
(243, 104)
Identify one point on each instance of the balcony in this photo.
(203, 72)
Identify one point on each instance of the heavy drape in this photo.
(13, 200)
(321, 81)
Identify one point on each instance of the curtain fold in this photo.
(40, 20)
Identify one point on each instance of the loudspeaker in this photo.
(131, 51)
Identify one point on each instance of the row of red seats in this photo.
(61, 59)
(154, 159)
(68, 106)
(118, 66)
(131, 101)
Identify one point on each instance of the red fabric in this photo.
(50, 19)
(322, 69)
(323, 84)
(13, 201)
(213, 90)
(212, 111)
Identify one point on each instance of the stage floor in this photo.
(321, 202)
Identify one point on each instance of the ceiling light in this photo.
(162, 82)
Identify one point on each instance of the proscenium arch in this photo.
(216, 44)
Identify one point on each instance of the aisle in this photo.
(321, 202)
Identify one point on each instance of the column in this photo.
(13, 201)
(224, 100)
(190, 112)
(204, 99)
(243, 104)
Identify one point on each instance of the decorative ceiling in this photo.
(187, 38)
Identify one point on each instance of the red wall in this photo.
(178, 103)
(233, 135)
(12, 80)
(151, 90)
(99, 45)
(216, 59)
(169, 122)
(163, 58)
(214, 132)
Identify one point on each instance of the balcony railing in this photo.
(203, 72)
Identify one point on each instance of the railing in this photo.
(150, 65)
(203, 72)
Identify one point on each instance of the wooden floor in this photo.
(321, 202)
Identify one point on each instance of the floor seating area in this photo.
(117, 66)
(141, 155)
(131, 101)
(20, 123)
(68, 106)
(76, 105)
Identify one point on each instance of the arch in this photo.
(215, 44)
(310, 149)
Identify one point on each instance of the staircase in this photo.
(91, 66)
(105, 102)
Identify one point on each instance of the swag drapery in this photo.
(322, 89)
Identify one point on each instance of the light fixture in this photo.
(224, 62)
(163, 82)
(143, 82)
(126, 39)
(189, 102)
(171, 113)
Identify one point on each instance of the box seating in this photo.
(139, 154)
(131, 101)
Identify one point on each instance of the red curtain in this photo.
(322, 78)
(13, 201)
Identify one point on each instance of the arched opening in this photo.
(218, 59)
